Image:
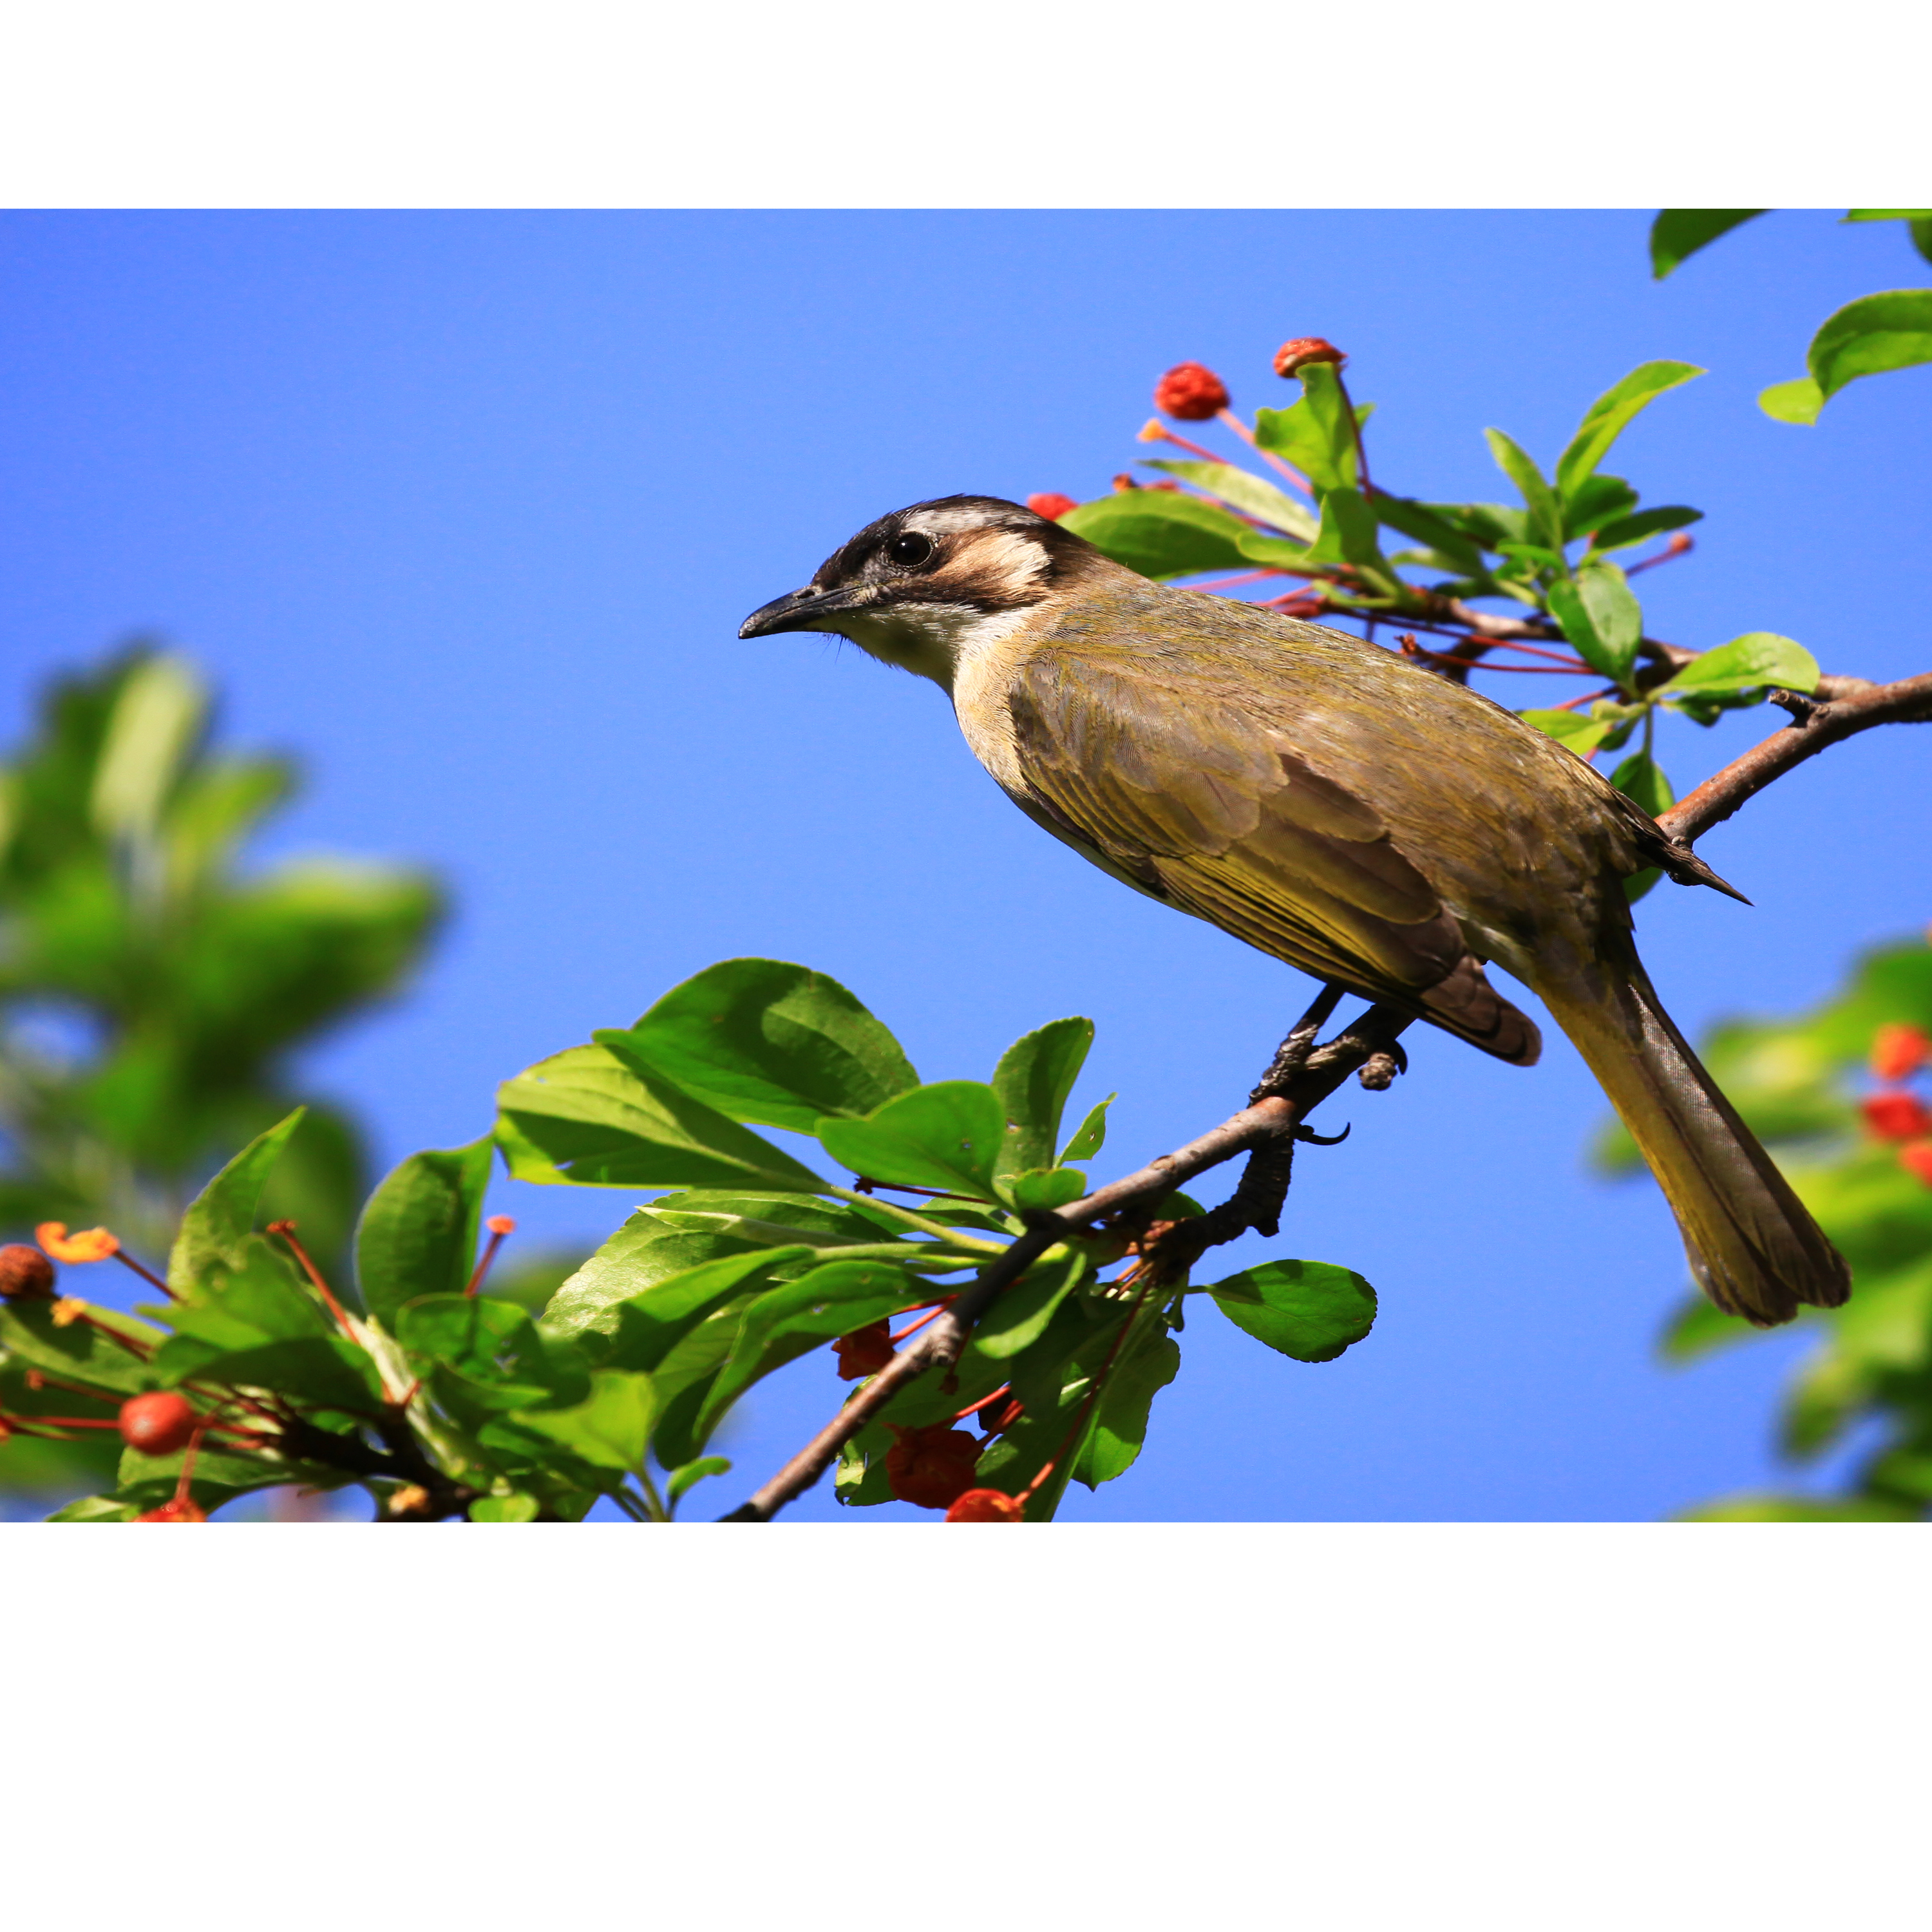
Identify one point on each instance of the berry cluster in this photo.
(1895, 1113)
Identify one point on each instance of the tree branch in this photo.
(1851, 705)
(1285, 1097)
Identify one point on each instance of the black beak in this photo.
(797, 610)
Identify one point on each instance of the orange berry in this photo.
(1190, 392)
(1917, 1158)
(986, 1506)
(26, 1273)
(1898, 1050)
(157, 1424)
(1897, 1117)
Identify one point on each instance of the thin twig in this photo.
(1853, 705)
(1275, 1114)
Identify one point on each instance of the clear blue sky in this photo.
(466, 509)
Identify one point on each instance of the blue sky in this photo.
(466, 509)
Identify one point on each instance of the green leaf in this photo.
(586, 1116)
(324, 1371)
(1348, 528)
(832, 1299)
(1697, 1327)
(219, 1476)
(1034, 1077)
(1041, 1190)
(948, 1135)
(1120, 1423)
(1797, 401)
(1161, 533)
(1311, 1310)
(1608, 417)
(683, 1479)
(417, 1234)
(647, 1327)
(1020, 1316)
(220, 1219)
(254, 1297)
(1427, 525)
(1756, 659)
(1678, 233)
(1546, 510)
(1314, 434)
(1600, 619)
(79, 1352)
(489, 1341)
(1242, 490)
(1640, 778)
(1622, 532)
(1597, 500)
(1090, 1136)
(612, 1428)
(504, 1509)
(1756, 1508)
(1575, 734)
(764, 1041)
(1877, 333)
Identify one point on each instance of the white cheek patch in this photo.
(933, 640)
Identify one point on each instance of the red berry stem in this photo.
(148, 1275)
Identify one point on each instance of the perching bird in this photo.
(1334, 805)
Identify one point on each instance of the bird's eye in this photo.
(911, 550)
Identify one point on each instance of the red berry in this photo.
(1897, 1117)
(1050, 505)
(1303, 350)
(157, 1424)
(863, 1352)
(1897, 1050)
(26, 1273)
(931, 1466)
(1190, 393)
(171, 1511)
(1917, 1158)
(986, 1506)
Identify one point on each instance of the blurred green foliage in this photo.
(1857, 1144)
(153, 989)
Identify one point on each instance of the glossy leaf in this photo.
(1797, 401)
(1426, 523)
(764, 1041)
(585, 1116)
(948, 1135)
(219, 1220)
(1019, 1318)
(1678, 233)
(644, 1327)
(1314, 434)
(1311, 1310)
(1597, 500)
(1090, 1136)
(324, 1370)
(1575, 733)
(1756, 659)
(488, 1341)
(1349, 536)
(30, 1338)
(1875, 334)
(417, 1234)
(1044, 1189)
(1121, 1415)
(1034, 1077)
(611, 1428)
(1608, 417)
(1545, 508)
(1600, 619)
(1160, 533)
(1621, 532)
(832, 1300)
(1242, 490)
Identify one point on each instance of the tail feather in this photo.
(1753, 1249)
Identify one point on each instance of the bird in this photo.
(1336, 805)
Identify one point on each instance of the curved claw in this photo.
(1312, 1139)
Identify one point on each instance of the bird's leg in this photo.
(1291, 1056)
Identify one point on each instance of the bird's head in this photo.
(927, 585)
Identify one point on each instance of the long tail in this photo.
(1754, 1249)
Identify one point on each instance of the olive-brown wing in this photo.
(1194, 791)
